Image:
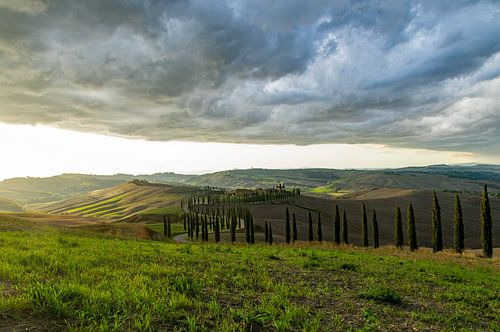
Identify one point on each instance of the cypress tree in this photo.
(336, 226)
(486, 224)
(233, 231)
(320, 230)
(412, 231)
(206, 228)
(184, 223)
(344, 228)
(202, 229)
(266, 233)
(217, 229)
(193, 222)
(458, 227)
(169, 229)
(192, 227)
(364, 226)
(165, 227)
(287, 227)
(437, 235)
(270, 234)
(295, 235)
(375, 229)
(252, 231)
(398, 229)
(247, 228)
(197, 227)
(311, 236)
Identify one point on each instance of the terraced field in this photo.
(123, 201)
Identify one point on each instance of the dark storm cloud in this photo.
(406, 73)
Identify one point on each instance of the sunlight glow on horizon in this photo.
(45, 151)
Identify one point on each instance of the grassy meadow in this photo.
(53, 278)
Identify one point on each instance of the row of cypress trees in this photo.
(291, 233)
(458, 226)
(217, 220)
(255, 196)
(237, 213)
(437, 235)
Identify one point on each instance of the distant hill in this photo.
(29, 190)
(437, 177)
(469, 178)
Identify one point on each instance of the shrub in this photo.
(381, 294)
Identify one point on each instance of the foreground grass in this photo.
(55, 279)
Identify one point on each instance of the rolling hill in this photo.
(438, 177)
(123, 201)
(29, 192)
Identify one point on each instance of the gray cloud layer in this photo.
(405, 73)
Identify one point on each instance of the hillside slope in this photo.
(122, 201)
(6, 205)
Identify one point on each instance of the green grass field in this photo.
(55, 279)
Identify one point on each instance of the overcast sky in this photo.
(418, 75)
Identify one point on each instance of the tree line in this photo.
(247, 196)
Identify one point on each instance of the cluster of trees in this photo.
(241, 197)
(437, 235)
(139, 182)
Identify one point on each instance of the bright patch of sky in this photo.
(44, 151)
